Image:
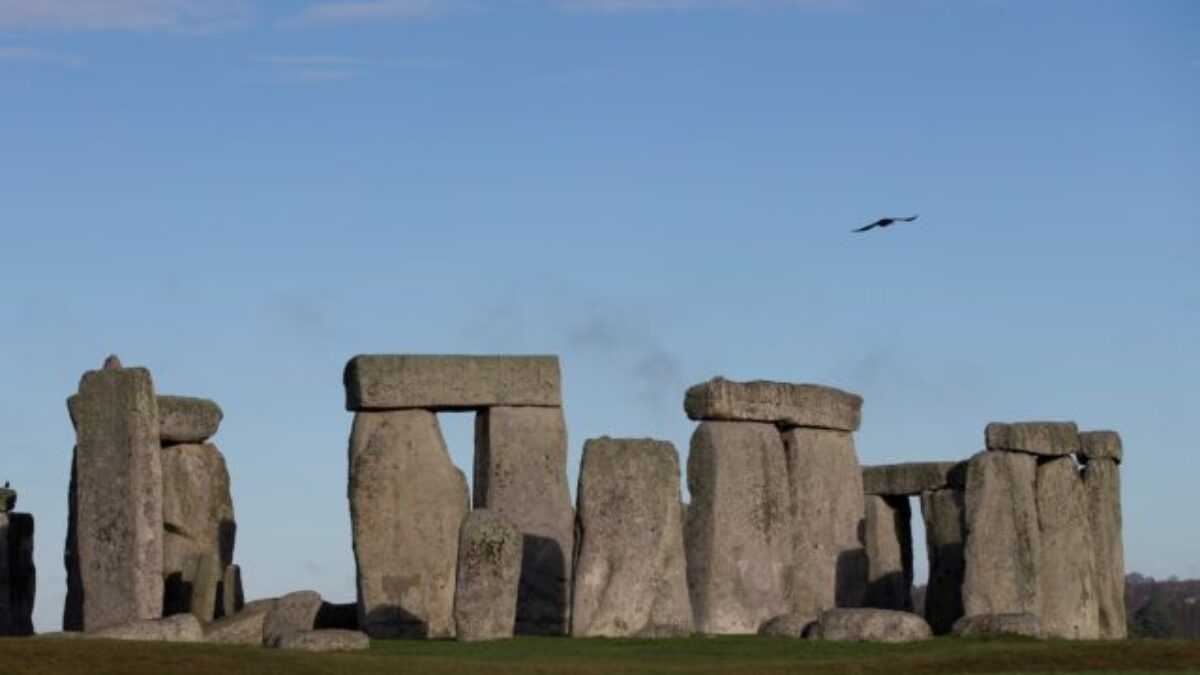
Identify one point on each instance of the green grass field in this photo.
(601, 657)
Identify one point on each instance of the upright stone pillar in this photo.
(631, 574)
(521, 473)
(1101, 453)
(407, 502)
(115, 544)
(1067, 564)
(888, 541)
(739, 530)
(944, 514)
(18, 576)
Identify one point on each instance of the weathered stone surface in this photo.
(231, 597)
(1102, 482)
(1100, 445)
(182, 419)
(888, 542)
(199, 528)
(1067, 565)
(521, 473)
(1004, 545)
(944, 512)
(18, 576)
(243, 628)
(828, 511)
(394, 382)
(293, 613)
(780, 403)
(787, 625)
(333, 640)
(178, 628)
(631, 575)
(913, 478)
(1051, 439)
(407, 501)
(869, 625)
(990, 625)
(739, 529)
(115, 543)
(489, 570)
(8, 500)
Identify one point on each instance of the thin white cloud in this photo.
(367, 10)
(299, 68)
(196, 16)
(33, 55)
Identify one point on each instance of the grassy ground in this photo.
(601, 657)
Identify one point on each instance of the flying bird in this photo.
(884, 222)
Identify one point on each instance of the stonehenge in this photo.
(785, 532)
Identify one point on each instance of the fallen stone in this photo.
(945, 526)
(243, 628)
(1100, 445)
(788, 625)
(1102, 482)
(521, 473)
(332, 640)
(739, 530)
(8, 500)
(888, 540)
(1050, 439)
(1004, 547)
(187, 420)
(913, 478)
(869, 625)
(1068, 564)
(780, 403)
(395, 382)
(18, 575)
(407, 502)
(489, 572)
(115, 538)
(293, 613)
(631, 575)
(994, 625)
(199, 528)
(828, 514)
(178, 628)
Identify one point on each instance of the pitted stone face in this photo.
(779, 403)
(183, 419)
(447, 383)
(913, 478)
(1051, 439)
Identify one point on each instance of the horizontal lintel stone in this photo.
(1100, 445)
(432, 382)
(913, 478)
(780, 403)
(1051, 439)
(182, 419)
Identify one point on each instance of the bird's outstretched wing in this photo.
(908, 219)
(864, 228)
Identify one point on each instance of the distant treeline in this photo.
(1162, 609)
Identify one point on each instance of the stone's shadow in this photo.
(389, 622)
(177, 594)
(943, 597)
(331, 615)
(73, 607)
(542, 594)
(226, 535)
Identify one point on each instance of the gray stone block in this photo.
(293, 613)
(888, 540)
(631, 575)
(791, 625)
(489, 572)
(869, 625)
(243, 628)
(1004, 546)
(183, 419)
(18, 575)
(8, 500)
(332, 640)
(944, 512)
(996, 625)
(394, 382)
(407, 502)
(1102, 482)
(779, 403)
(179, 628)
(1050, 439)
(739, 530)
(913, 478)
(1067, 566)
(1100, 445)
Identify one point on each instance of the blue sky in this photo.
(241, 195)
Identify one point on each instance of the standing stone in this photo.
(828, 510)
(116, 544)
(407, 501)
(631, 574)
(199, 528)
(781, 403)
(489, 569)
(888, 540)
(1049, 439)
(944, 513)
(1004, 546)
(232, 597)
(395, 382)
(1102, 482)
(739, 530)
(18, 576)
(521, 473)
(1068, 564)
